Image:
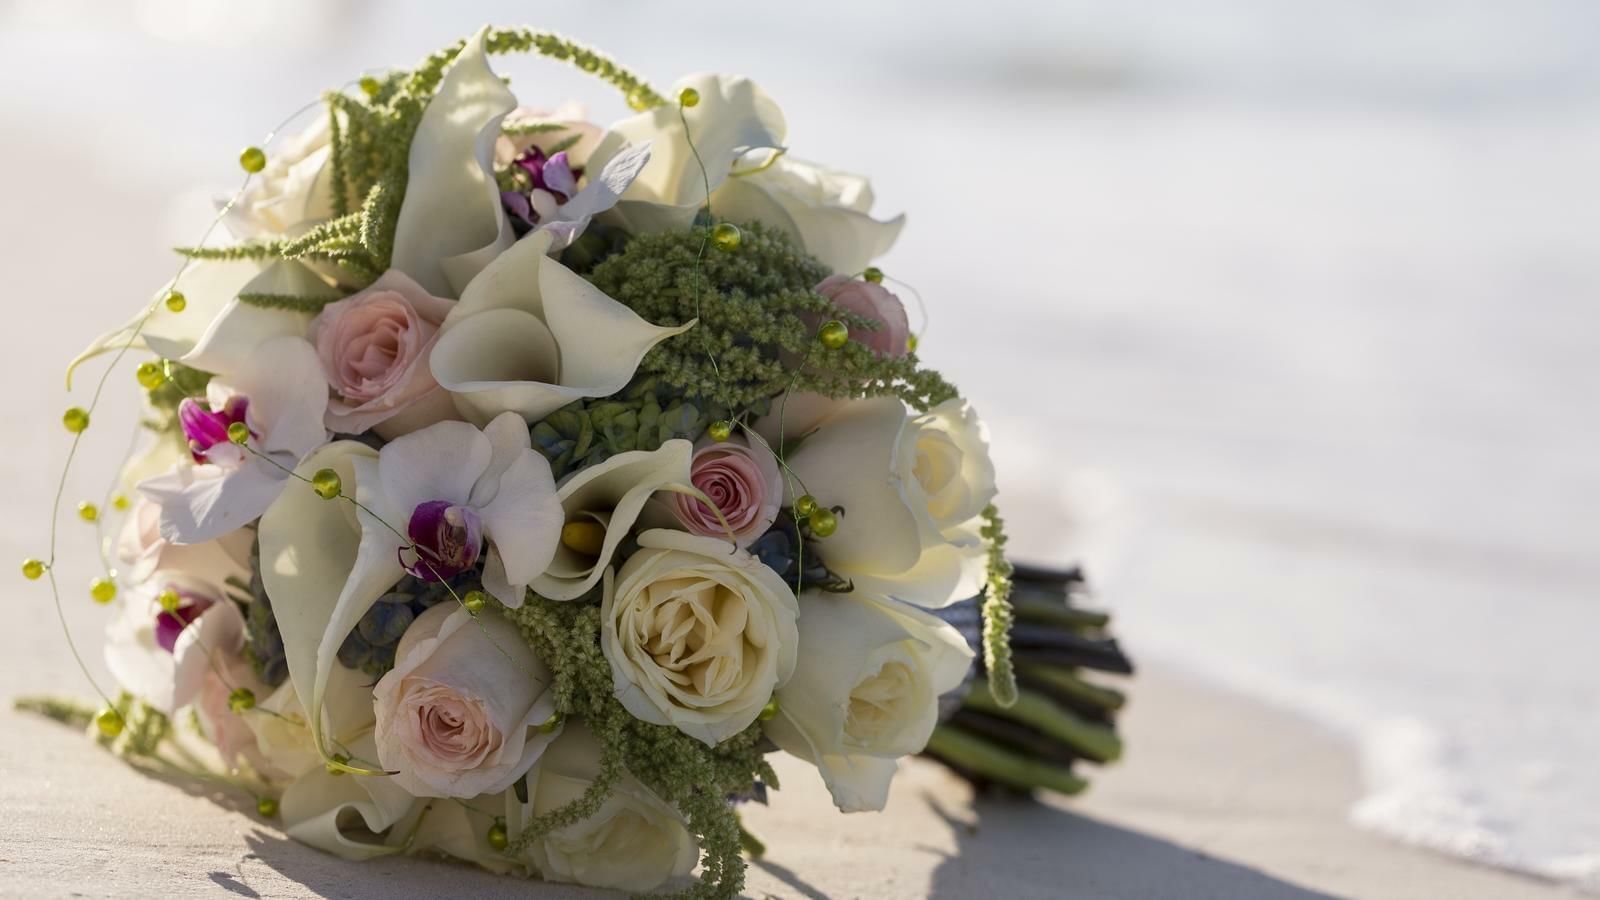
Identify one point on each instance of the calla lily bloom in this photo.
(452, 223)
(530, 336)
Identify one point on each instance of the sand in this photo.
(1219, 798)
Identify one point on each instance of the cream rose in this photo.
(698, 633)
(865, 692)
(293, 193)
(457, 716)
(912, 488)
(827, 211)
(634, 842)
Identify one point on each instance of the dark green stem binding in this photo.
(1059, 718)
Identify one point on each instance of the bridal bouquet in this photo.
(515, 484)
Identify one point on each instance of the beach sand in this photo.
(1219, 798)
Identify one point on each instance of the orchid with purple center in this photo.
(444, 500)
(205, 428)
(171, 623)
(163, 655)
(446, 540)
(278, 391)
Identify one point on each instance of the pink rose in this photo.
(230, 731)
(374, 348)
(871, 301)
(457, 716)
(745, 484)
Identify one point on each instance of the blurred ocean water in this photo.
(1283, 314)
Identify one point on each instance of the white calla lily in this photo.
(612, 494)
(451, 224)
(827, 212)
(281, 381)
(214, 330)
(530, 336)
(348, 816)
(733, 117)
(866, 691)
(323, 570)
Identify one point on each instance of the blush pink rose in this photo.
(374, 347)
(875, 302)
(742, 480)
(457, 716)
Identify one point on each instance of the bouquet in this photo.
(513, 486)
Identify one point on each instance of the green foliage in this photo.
(758, 318)
(686, 773)
(642, 416)
(997, 612)
(370, 159)
(181, 382)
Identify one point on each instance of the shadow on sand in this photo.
(1024, 850)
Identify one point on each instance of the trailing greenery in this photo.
(997, 612)
(758, 319)
(696, 779)
(369, 159)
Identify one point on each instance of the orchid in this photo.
(453, 223)
(280, 395)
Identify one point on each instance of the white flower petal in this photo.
(601, 340)
(217, 632)
(600, 194)
(239, 328)
(733, 117)
(615, 491)
(323, 569)
(523, 522)
(347, 815)
(849, 462)
(288, 395)
(944, 574)
(440, 462)
(204, 502)
(530, 336)
(451, 224)
(207, 285)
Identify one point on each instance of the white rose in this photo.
(634, 842)
(826, 211)
(866, 691)
(293, 193)
(457, 716)
(698, 633)
(912, 489)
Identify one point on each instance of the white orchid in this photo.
(530, 336)
(163, 655)
(279, 393)
(448, 488)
